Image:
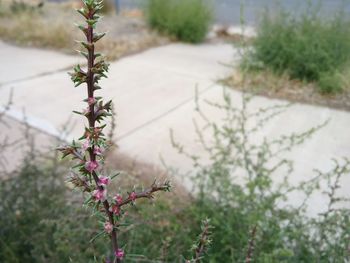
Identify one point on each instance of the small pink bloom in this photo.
(103, 181)
(100, 194)
(108, 227)
(91, 166)
(119, 253)
(97, 150)
(115, 209)
(91, 101)
(118, 198)
(86, 145)
(133, 196)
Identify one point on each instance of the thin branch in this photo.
(251, 245)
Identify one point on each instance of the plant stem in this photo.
(91, 119)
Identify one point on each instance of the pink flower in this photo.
(103, 181)
(119, 253)
(91, 101)
(108, 227)
(100, 194)
(118, 198)
(86, 145)
(115, 209)
(97, 150)
(133, 196)
(91, 166)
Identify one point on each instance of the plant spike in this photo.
(202, 243)
(89, 153)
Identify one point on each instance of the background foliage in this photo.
(308, 46)
(38, 220)
(187, 20)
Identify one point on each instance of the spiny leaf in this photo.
(86, 45)
(82, 28)
(83, 12)
(85, 54)
(92, 22)
(98, 36)
(78, 112)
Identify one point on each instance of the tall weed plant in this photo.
(187, 20)
(308, 46)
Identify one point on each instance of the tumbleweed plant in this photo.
(88, 152)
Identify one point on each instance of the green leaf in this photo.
(96, 236)
(92, 22)
(83, 12)
(82, 28)
(78, 112)
(98, 36)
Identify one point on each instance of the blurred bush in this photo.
(23, 6)
(187, 20)
(308, 47)
(40, 223)
(108, 7)
(243, 184)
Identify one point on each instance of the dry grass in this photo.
(268, 84)
(31, 31)
(52, 26)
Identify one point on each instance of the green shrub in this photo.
(243, 184)
(38, 220)
(108, 7)
(330, 82)
(23, 6)
(306, 47)
(187, 20)
(38, 223)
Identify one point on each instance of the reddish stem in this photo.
(91, 119)
(251, 244)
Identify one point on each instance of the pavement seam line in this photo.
(147, 123)
(43, 74)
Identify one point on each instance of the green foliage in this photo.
(39, 222)
(108, 7)
(330, 82)
(236, 189)
(307, 47)
(187, 20)
(21, 6)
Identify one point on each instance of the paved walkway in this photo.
(154, 91)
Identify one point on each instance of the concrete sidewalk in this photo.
(153, 92)
(26, 63)
(144, 87)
